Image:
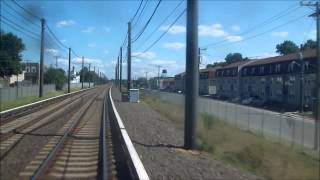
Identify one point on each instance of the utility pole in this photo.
(129, 57)
(98, 76)
(317, 88)
(192, 74)
(120, 69)
(43, 22)
(56, 61)
(82, 74)
(147, 80)
(89, 74)
(158, 83)
(69, 70)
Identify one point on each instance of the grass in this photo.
(240, 148)
(31, 99)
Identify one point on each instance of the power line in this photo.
(17, 25)
(19, 13)
(157, 40)
(135, 14)
(141, 12)
(165, 19)
(269, 30)
(55, 37)
(267, 21)
(146, 25)
(23, 32)
(27, 11)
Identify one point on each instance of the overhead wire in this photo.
(135, 14)
(140, 14)
(27, 11)
(19, 13)
(165, 19)
(23, 32)
(274, 18)
(147, 23)
(267, 31)
(17, 25)
(165, 32)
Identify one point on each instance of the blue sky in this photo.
(96, 30)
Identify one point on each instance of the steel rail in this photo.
(103, 146)
(21, 109)
(45, 164)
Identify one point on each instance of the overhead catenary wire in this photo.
(267, 31)
(165, 32)
(21, 31)
(17, 25)
(164, 20)
(140, 14)
(147, 23)
(274, 18)
(20, 15)
(135, 14)
(27, 11)
(55, 37)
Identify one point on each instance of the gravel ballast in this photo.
(158, 142)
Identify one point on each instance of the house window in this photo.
(33, 69)
(262, 70)
(253, 70)
(263, 80)
(245, 71)
(306, 65)
(278, 68)
(279, 79)
(28, 69)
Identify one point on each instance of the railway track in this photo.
(91, 144)
(81, 151)
(14, 130)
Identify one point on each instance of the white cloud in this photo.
(176, 29)
(234, 38)
(95, 61)
(89, 30)
(147, 55)
(162, 62)
(65, 23)
(214, 30)
(92, 45)
(63, 40)
(235, 28)
(106, 29)
(264, 55)
(311, 34)
(52, 51)
(106, 51)
(280, 34)
(174, 45)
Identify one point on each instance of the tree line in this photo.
(11, 47)
(284, 48)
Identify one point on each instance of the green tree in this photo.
(11, 47)
(287, 47)
(233, 57)
(56, 76)
(310, 44)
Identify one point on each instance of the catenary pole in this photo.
(120, 69)
(69, 73)
(82, 73)
(129, 57)
(89, 74)
(192, 74)
(43, 21)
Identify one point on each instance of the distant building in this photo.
(207, 84)
(167, 84)
(274, 79)
(31, 72)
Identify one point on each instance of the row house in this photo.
(274, 79)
